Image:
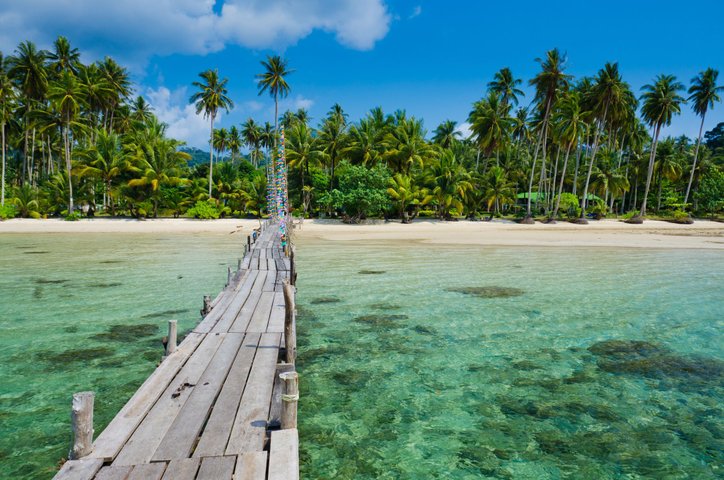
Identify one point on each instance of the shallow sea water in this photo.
(420, 361)
(88, 313)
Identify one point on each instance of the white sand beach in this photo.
(604, 233)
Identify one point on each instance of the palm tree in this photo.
(64, 57)
(505, 86)
(491, 124)
(704, 94)
(449, 182)
(119, 80)
(211, 97)
(142, 111)
(67, 96)
(548, 84)
(274, 80)
(221, 139)
(406, 146)
(333, 140)
(661, 101)
(234, 143)
(498, 189)
(609, 92)
(405, 193)
(364, 143)
(7, 100)
(570, 123)
(105, 160)
(446, 134)
(252, 138)
(301, 149)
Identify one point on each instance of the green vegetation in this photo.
(75, 143)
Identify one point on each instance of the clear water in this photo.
(88, 313)
(608, 364)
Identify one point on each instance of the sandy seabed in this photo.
(603, 233)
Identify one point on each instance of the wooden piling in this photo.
(207, 305)
(172, 337)
(290, 328)
(81, 418)
(290, 398)
(238, 265)
(292, 267)
(228, 276)
(248, 243)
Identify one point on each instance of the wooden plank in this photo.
(242, 319)
(83, 469)
(217, 468)
(251, 466)
(115, 435)
(255, 253)
(218, 428)
(262, 251)
(140, 447)
(275, 412)
(260, 318)
(284, 455)
(232, 311)
(249, 429)
(270, 282)
(280, 264)
(181, 436)
(276, 318)
(182, 469)
(147, 471)
(113, 473)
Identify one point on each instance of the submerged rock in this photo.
(36, 252)
(371, 272)
(488, 291)
(423, 330)
(47, 281)
(323, 300)
(380, 320)
(385, 306)
(74, 355)
(110, 261)
(127, 333)
(104, 285)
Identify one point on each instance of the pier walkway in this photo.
(213, 407)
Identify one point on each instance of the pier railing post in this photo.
(292, 267)
(81, 417)
(290, 398)
(207, 305)
(248, 243)
(238, 265)
(290, 327)
(172, 337)
(228, 276)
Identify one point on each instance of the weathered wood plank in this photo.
(270, 282)
(147, 471)
(113, 473)
(115, 435)
(217, 468)
(262, 250)
(83, 469)
(142, 444)
(276, 318)
(260, 318)
(249, 429)
(251, 466)
(279, 263)
(182, 469)
(218, 428)
(284, 455)
(181, 436)
(242, 319)
(275, 412)
(234, 308)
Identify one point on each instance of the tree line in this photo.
(76, 141)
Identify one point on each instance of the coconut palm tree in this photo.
(405, 193)
(406, 146)
(505, 86)
(251, 134)
(449, 182)
(273, 80)
(64, 57)
(7, 101)
(211, 97)
(67, 96)
(498, 189)
(234, 143)
(364, 146)
(446, 134)
(119, 80)
(333, 141)
(661, 101)
(548, 85)
(221, 140)
(142, 111)
(570, 123)
(491, 125)
(301, 150)
(704, 94)
(105, 160)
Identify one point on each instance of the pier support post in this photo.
(238, 265)
(81, 418)
(207, 305)
(228, 276)
(172, 337)
(290, 327)
(290, 398)
(248, 243)
(292, 267)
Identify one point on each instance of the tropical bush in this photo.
(204, 210)
(710, 195)
(7, 211)
(570, 205)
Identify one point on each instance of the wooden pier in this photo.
(221, 404)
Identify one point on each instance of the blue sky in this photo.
(431, 58)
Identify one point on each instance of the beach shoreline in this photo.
(703, 234)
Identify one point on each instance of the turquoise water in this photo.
(420, 361)
(88, 313)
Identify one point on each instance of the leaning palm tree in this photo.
(704, 93)
(661, 101)
(211, 97)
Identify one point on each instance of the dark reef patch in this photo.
(127, 333)
(379, 320)
(74, 355)
(323, 300)
(488, 291)
(371, 272)
(166, 313)
(104, 285)
(47, 281)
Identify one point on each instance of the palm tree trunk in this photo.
(32, 159)
(211, 155)
(535, 156)
(657, 130)
(560, 184)
(593, 159)
(658, 195)
(693, 166)
(68, 166)
(2, 198)
(552, 183)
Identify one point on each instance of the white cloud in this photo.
(172, 108)
(464, 129)
(415, 12)
(132, 30)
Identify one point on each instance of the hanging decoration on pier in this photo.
(281, 192)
